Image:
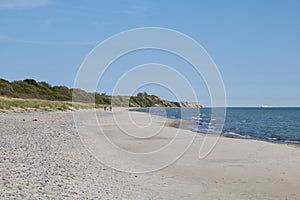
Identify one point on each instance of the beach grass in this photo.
(7, 103)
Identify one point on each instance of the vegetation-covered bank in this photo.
(41, 105)
(62, 97)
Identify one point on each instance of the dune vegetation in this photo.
(30, 94)
(42, 105)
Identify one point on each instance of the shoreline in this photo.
(172, 122)
(186, 123)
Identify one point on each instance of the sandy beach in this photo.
(43, 157)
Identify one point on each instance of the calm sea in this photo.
(272, 124)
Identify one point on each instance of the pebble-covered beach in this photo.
(42, 157)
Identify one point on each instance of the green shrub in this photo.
(79, 95)
(30, 81)
(6, 89)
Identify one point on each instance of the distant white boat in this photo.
(266, 106)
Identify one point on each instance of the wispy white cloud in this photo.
(49, 21)
(23, 3)
(5, 38)
(135, 10)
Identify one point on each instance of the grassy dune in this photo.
(42, 105)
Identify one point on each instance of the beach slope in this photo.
(42, 155)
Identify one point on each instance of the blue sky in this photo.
(255, 44)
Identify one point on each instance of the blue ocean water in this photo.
(272, 124)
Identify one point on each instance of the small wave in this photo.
(204, 123)
(232, 134)
(205, 130)
(292, 142)
(212, 130)
(272, 138)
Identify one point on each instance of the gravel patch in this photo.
(42, 157)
